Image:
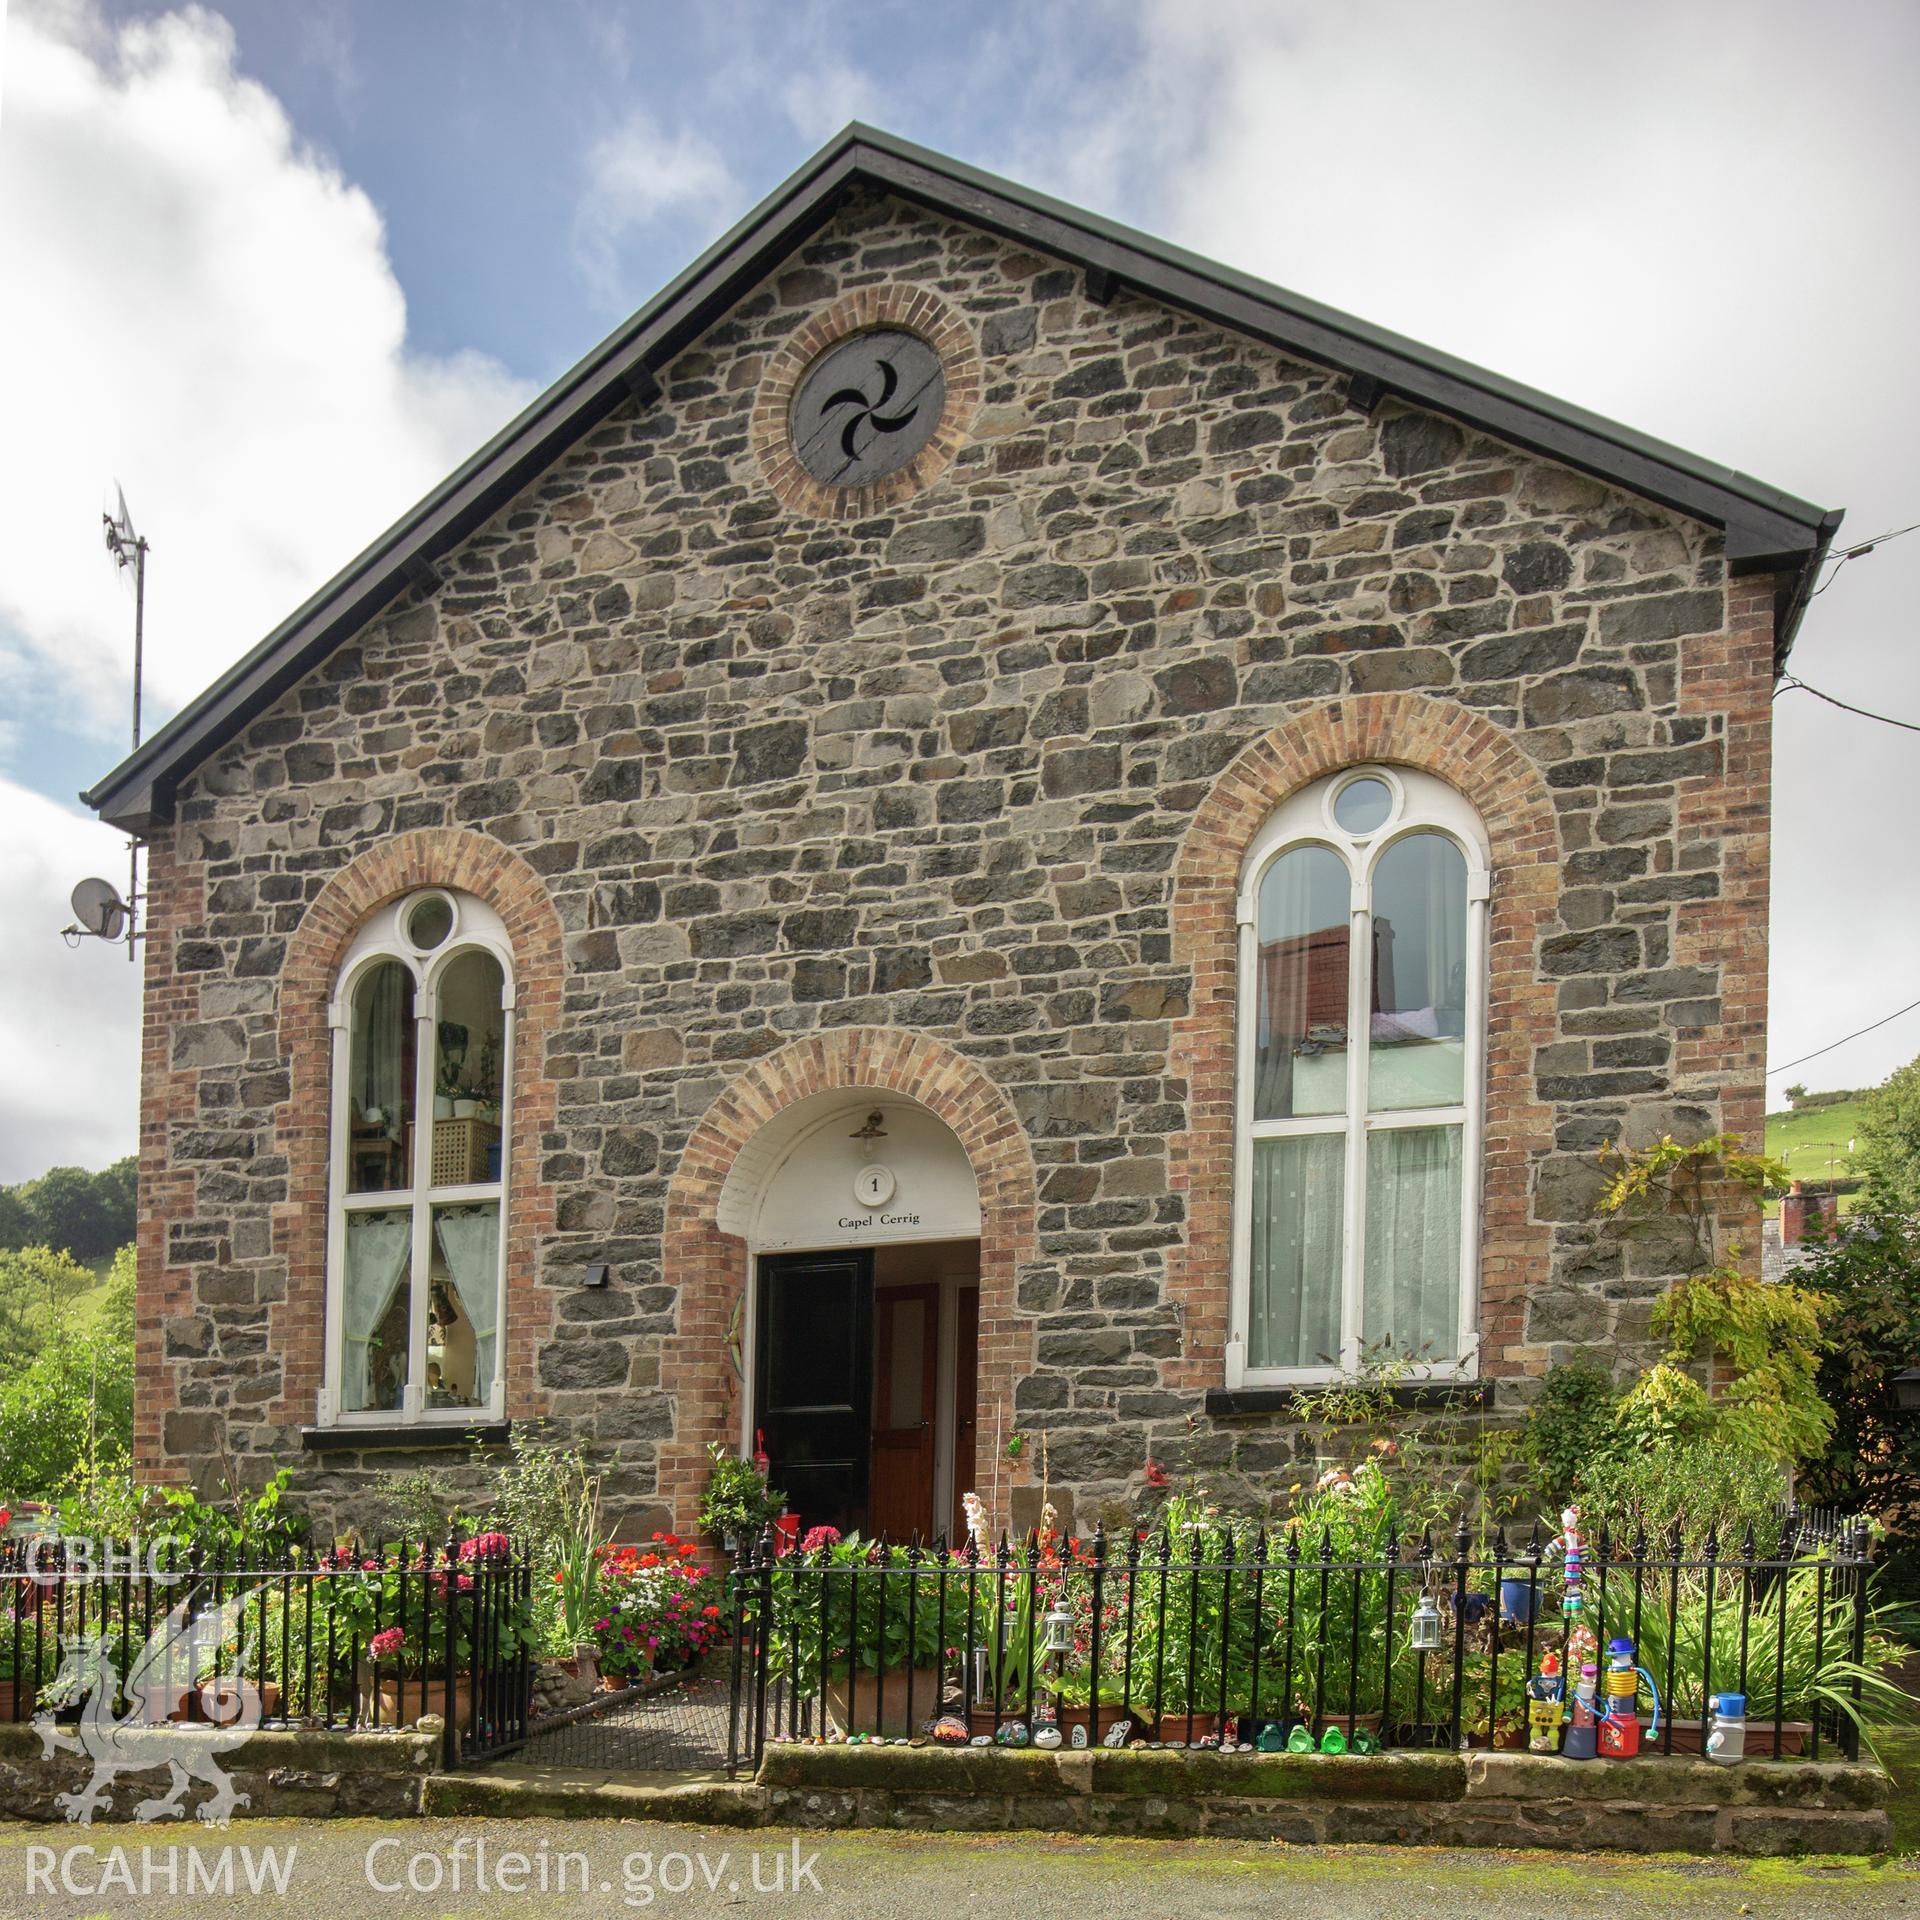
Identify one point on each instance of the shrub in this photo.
(1868, 1271)
(1570, 1427)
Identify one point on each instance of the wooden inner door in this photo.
(906, 1350)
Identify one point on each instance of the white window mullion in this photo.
(497, 1390)
(425, 1081)
(1246, 1035)
(339, 1144)
(1473, 1118)
(1359, 1038)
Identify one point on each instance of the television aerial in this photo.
(99, 913)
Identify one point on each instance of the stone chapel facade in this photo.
(974, 829)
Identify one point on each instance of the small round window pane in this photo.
(429, 921)
(867, 406)
(1361, 806)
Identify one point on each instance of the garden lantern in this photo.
(1057, 1628)
(1423, 1632)
(1905, 1390)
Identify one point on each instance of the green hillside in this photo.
(1813, 1142)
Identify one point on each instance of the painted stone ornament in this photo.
(1270, 1738)
(981, 1740)
(1118, 1735)
(1079, 1735)
(1013, 1734)
(1048, 1737)
(949, 1731)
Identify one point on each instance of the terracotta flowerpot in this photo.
(853, 1711)
(615, 1682)
(1794, 1736)
(403, 1701)
(158, 1705)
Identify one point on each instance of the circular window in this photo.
(867, 406)
(429, 920)
(1363, 805)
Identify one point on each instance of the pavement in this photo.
(592, 1868)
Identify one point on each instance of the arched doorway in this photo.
(728, 1212)
(860, 1356)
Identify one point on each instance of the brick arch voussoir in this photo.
(494, 873)
(709, 1268)
(1508, 790)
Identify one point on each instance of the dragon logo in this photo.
(870, 412)
(163, 1676)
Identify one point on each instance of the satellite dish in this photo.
(99, 909)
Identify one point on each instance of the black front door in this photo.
(813, 1394)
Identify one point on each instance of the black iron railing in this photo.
(354, 1637)
(1248, 1638)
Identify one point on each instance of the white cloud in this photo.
(635, 175)
(203, 308)
(822, 98)
(69, 1018)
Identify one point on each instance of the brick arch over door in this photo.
(1483, 763)
(709, 1267)
(429, 857)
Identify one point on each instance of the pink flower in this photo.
(817, 1537)
(384, 1645)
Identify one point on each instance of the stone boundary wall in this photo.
(282, 1774)
(1422, 1799)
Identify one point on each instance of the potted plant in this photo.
(861, 1621)
(660, 1609)
(395, 1606)
(737, 1503)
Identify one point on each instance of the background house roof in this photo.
(1767, 531)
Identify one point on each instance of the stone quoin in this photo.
(806, 828)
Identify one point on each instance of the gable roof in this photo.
(1767, 531)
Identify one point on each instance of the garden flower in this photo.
(384, 1645)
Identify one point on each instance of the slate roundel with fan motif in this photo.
(867, 406)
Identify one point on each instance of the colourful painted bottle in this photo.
(1582, 1728)
(1727, 1735)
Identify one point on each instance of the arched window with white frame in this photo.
(1361, 1049)
(422, 1028)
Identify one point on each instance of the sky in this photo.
(275, 269)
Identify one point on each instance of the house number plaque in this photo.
(873, 1185)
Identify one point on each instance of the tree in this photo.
(1888, 1153)
(69, 1410)
(85, 1214)
(1796, 1093)
(37, 1284)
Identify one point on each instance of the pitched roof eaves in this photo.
(1766, 529)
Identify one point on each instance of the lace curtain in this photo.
(1299, 1188)
(1413, 1242)
(378, 1250)
(469, 1240)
